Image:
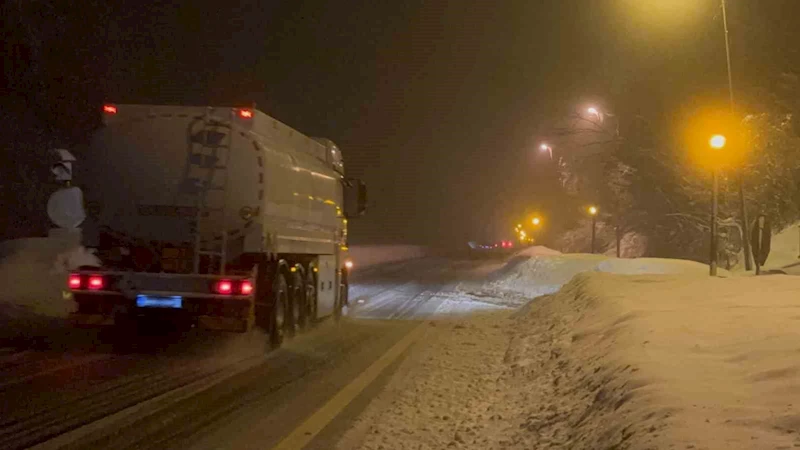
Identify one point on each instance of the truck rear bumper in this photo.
(98, 310)
(212, 323)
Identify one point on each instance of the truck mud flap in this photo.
(222, 324)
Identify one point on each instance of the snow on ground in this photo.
(674, 360)
(784, 248)
(540, 271)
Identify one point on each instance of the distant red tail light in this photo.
(224, 287)
(246, 288)
(74, 281)
(96, 282)
(109, 109)
(246, 114)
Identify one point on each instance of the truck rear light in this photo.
(224, 287)
(246, 114)
(74, 281)
(96, 282)
(246, 288)
(109, 109)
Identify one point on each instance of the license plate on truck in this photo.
(150, 301)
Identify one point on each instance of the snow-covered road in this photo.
(72, 390)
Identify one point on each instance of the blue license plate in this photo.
(150, 301)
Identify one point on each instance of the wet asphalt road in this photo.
(199, 391)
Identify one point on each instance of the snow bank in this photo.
(538, 250)
(682, 362)
(542, 272)
(611, 361)
(784, 248)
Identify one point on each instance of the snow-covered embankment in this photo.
(677, 360)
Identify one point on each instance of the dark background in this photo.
(437, 105)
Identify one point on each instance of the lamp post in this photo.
(717, 142)
(536, 221)
(616, 213)
(748, 265)
(593, 212)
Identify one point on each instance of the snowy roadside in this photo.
(540, 271)
(610, 361)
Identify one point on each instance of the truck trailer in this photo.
(220, 218)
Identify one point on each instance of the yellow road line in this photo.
(303, 434)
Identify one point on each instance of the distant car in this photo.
(490, 249)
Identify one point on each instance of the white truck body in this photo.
(178, 180)
(135, 170)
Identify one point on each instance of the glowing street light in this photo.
(717, 141)
(593, 111)
(536, 221)
(546, 148)
(593, 210)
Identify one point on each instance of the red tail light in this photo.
(224, 287)
(246, 288)
(96, 282)
(74, 281)
(109, 109)
(245, 114)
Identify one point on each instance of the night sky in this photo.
(437, 105)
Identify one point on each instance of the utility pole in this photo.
(748, 264)
(712, 262)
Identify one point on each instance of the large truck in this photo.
(213, 217)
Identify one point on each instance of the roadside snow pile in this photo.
(784, 248)
(530, 276)
(655, 266)
(611, 361)
(538, 250)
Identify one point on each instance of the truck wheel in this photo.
(299, 302)
(311, 296)
(279, 325)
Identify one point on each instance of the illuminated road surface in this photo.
(201, 392)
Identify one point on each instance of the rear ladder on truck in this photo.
(204, 183)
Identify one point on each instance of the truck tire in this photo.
(279, 325)
(299, 302)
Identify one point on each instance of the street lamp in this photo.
(615, 208)
(593, 212)
(717, 142)
(548, 149)
(536, 221)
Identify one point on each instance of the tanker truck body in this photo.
(221, 218)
